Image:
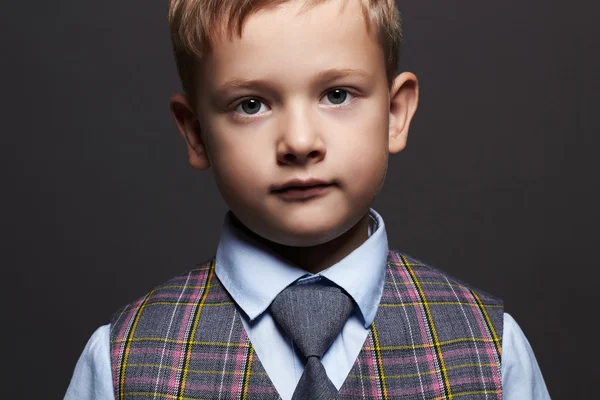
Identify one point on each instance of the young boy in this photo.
(295, 106)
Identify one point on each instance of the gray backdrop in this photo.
(498, 185)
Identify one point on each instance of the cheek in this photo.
(237, 155)
(368, 173)
(239, 174)
(237, 171)
(366, 150)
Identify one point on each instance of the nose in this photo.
(300, 141)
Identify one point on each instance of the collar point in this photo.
(369, 318)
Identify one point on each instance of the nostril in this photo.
(314, 154)
(289, 157)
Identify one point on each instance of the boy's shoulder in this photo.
(185, 288)
(422, 274)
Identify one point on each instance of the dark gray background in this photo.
(498, 185)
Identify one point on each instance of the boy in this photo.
(295, 105)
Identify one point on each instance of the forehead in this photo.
(289, 44)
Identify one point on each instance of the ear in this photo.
(189, 127)
(404, 98)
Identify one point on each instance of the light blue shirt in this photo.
(254, 275)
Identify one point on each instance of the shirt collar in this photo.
(254, 275)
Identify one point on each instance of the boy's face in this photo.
(301, 99)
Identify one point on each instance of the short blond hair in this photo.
(195, 24)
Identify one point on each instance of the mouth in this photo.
(298, 189)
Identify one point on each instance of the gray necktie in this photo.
(313, 316)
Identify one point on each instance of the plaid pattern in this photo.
(433, 338)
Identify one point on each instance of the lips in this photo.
(299, 183)
(298, 189)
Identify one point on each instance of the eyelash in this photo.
(252, 116)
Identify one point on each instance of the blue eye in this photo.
(250, 106)
(337, 96)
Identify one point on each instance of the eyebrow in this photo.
(327, 75)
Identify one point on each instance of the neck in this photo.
(315, 259)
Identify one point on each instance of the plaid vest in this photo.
(432, 338)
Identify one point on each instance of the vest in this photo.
(433, 337)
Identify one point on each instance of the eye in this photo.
(250, 107)
(338, 96)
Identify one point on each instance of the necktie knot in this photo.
(312, 315)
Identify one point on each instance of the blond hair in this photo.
(195, 24)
